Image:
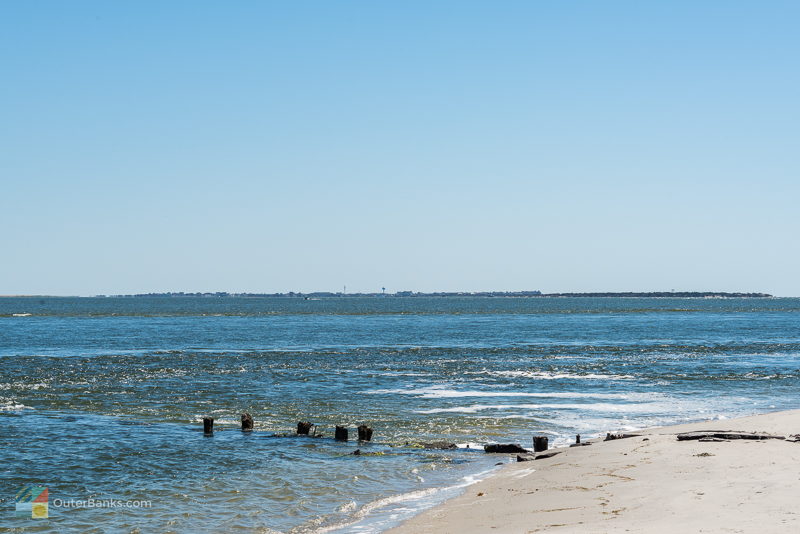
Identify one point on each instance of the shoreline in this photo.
(650, 483)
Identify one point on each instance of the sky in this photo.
(425, 146)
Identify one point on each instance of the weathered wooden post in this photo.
(578, 439)
(364, 433)
(539, 443)
(341, 433)
(247, 422)
(304, 427)
(208, 425)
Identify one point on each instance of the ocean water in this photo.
(102, 399)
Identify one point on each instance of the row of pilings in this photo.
(341, 433)
(304, 428)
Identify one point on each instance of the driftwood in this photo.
(546, 455)
(724, 434)
(529, 457)
(504, 448)
(611, 437)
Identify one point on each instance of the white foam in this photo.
(596, 407)
(437, 392)
(21, 385)
(12, 406)
(347, 507)
(417, 496)
(547, 375)
(398, 373)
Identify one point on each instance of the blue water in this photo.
(103, 398)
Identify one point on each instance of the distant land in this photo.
(525, 294)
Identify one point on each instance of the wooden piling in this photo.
(341, 433)
(304, 427)
(578, 439)
(364, 433)
(247, 422)
(208, 425)
(539, 443)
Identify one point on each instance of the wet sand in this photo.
(652, 483)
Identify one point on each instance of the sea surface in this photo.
(101, 399)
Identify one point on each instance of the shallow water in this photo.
(103, 398)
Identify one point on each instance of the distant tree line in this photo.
(656, 294)
(329, 294)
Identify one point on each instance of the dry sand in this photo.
(647, 484)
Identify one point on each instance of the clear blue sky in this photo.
(265, 146)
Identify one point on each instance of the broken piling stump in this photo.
(364, 433)
(247, 422)
(208, 425)
(303, 428)
(578, 442)
(341, 433)
(539, 443)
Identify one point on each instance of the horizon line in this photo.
(404, 293)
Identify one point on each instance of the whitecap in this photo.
(595, 407)
(437, 392)
(12, 406)
(548, 375)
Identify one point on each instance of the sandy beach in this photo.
(651, 483)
